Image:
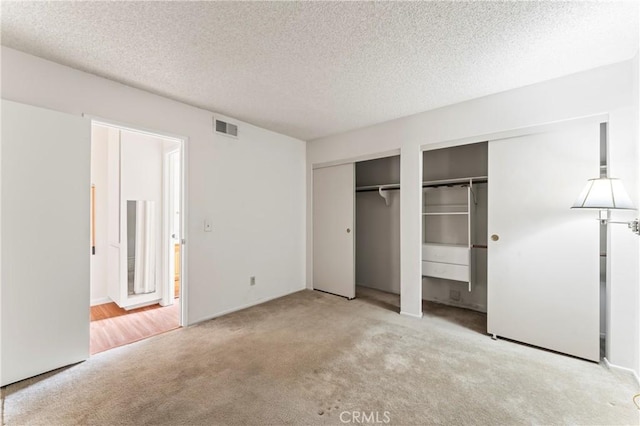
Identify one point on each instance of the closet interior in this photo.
(378, 224)
(454, 226)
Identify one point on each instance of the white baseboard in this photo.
(100, 301)
(245, 306)
(142, 304)
(624, 369)
(411, 315)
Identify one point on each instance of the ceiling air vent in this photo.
(226, 128)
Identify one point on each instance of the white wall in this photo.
(141, 158)
(252, 188)
(378, 241)
(636, 96)
(98, 279)
(623, 250)
(141, 179)
(603, 90)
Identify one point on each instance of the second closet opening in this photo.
(454, 227)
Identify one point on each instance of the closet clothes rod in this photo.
(451, 182)
(377, 188)
(381, 190)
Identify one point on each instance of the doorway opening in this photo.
(136, 282)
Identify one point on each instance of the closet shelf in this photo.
(445, 245)
(445, 209)
(442, 206)
(444, 198)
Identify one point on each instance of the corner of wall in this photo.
(309, 221)
(636, 142)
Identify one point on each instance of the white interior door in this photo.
(45, 240)
(333, 230)
(543, 271)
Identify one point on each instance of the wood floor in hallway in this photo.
(112, 326)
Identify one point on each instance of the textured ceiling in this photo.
(311, 69)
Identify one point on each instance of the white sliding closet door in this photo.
(45, 240)
(333, 230)
(543, 271)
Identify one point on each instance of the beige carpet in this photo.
(312, 358)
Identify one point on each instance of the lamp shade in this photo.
(603, 193)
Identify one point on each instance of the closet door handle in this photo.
(495, 237)
(348, 230)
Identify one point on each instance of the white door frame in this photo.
(168, 170)
(184, 149)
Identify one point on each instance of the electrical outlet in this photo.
(454, 295)
(252, 280)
